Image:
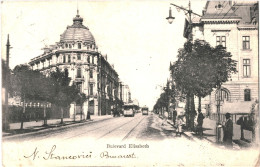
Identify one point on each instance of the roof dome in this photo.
(77, 32)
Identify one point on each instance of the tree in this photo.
(184, 78)
(65, 93)
(198, 70)
(24, 84)
(45, 93)
(80, 99)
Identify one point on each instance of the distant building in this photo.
(234, 25)
(126, 94)
(78, 53)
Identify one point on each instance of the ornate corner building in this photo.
(78, 53)
(234, 25)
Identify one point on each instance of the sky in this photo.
(135, 35)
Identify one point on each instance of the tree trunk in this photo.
(187, 114)
(61, 109)
(44, 115)
(22, 116)
(218, 104)
(74, 117)
(199, 107)
(80, 112)
(193, 112)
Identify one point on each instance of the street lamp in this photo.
(170, 18)
(189, 11)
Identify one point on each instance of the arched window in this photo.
(79, 45)
(247, 95)
(222, 95)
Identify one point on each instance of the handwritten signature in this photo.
(51, 155)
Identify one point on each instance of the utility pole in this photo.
(5, 115)
(100, 84)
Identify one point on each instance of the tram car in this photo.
(130, 110)
(145, 110)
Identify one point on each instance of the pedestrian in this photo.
(179, 125)
(200, 123)
(174, 114)
(228, 131)
(241, 122)
(165, 117)
(88, 115)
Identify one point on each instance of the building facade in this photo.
(234, 25)
(78, 53)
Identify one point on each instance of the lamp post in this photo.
(170, 20)
(6, 125)
(189, 11)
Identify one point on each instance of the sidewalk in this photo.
(209, 133)
(34, 127)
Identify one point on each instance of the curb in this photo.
(13, 136)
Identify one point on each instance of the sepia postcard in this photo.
(130, 83)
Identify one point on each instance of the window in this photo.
(88, 59)
(221, 40)
(246, 42)
(91, 74)
(91, 89)
(93, 59)
(247, 95)
(79, 56)
(69, 58)
(79, 85)
(79, 73)
(69, 45)
(219, 6)
(246, 67)
(79, 45)
(222, 95)
(64, 59)
(66, 45)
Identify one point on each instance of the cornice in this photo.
(220, 30)
(220, 21)
(247, 28)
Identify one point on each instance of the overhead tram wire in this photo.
(234, 11)
(216, 15)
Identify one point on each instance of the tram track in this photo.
(116, 127)
(128, 134)
(121, 127)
